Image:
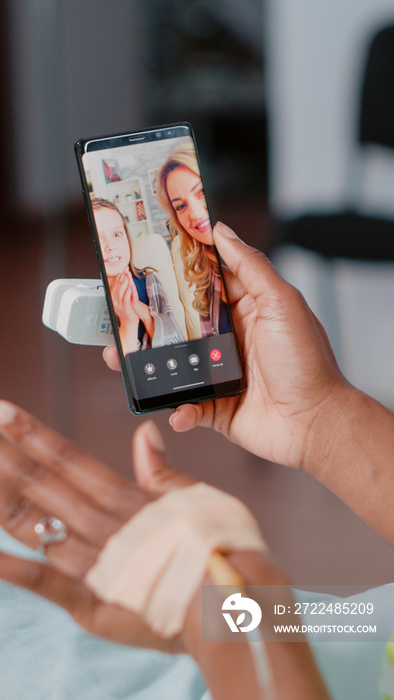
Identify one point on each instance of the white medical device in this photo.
(77, 310)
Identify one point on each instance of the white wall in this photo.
(314, 53)
(77, 71)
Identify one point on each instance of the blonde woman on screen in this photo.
(180, 192)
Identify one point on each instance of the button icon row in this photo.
(193, 360)
(172, 364)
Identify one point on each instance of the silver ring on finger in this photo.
(50, 530)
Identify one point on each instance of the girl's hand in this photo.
(122, 294)
(141, 309)
(122, 297)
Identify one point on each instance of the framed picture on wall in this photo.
(140, 211)
(112, 170)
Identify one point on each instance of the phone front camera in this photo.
(169, 133)
(158, 134)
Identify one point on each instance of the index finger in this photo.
(60, 455)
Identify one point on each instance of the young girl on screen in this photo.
(141, 306)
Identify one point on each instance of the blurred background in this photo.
(292, 103)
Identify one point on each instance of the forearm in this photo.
(228, 667)
(230, 675)
(352, 453)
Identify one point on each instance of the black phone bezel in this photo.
(161, 401)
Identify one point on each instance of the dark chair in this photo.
(344, 262)
(350, 234)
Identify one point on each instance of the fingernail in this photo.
(226, 230)
(154, 436)
(171, 417)
(7, 412)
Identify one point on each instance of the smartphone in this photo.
(162, 275)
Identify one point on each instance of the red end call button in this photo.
(215, 355)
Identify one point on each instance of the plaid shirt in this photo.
(166, 331)
(210, 324)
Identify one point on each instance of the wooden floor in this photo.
(312, 534)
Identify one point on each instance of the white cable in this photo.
(261, 664)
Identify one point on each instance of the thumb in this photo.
(111, 357)
(252, 268)
(151, 469)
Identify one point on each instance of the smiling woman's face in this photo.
(186, 194)
(113, 241)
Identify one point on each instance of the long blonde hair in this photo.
(200, 261)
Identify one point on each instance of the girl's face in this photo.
(186, 194)
(113, 239)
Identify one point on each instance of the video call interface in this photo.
(162, 269)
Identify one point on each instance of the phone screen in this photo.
(165, 290)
